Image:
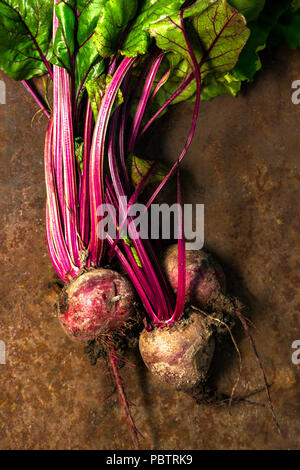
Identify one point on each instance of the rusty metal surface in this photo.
(244, 165)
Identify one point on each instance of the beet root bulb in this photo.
(180, 354)
(204, 277)
(96, 303)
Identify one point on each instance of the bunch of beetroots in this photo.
(116, 67)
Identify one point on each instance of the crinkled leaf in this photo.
(249, 61)
(217, 31)
(25, 37)
(138, 169)
(287, 30)
(138, 39)
(169, 35)
(222, 34)
(295, 5)
(251, 9)
(96, 89)
(276, 24)
(214, 86)
(114, 18)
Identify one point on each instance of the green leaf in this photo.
(169, 36)
(88, 15)
(74, 48)
(251, 9)
(88, 63)
(180, 69)
(129, 243)
(64, 43)
(214, 86)
(287, 30)
(114, 18)
(138, 39)
(249, 61)
(222, 34)
(89, 66)
(277, 23)
(78, 147)
(25, 37)
(295, 5)
(217, 32)
(138, 168)
(96, 89)
(211, 46)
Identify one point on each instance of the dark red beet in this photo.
(204, 277)
(95, 303)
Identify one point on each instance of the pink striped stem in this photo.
(59, 251)
(97, 157)
(84, 193)
(143, 102)
(70, 189)
(57, 141)
(180, 302)
(188, 142)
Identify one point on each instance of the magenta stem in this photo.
(84, 194)
(195, 117)
(97, 156)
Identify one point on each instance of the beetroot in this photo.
(204, 277)
(96, 303)
(179, 354)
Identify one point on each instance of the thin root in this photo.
(235, 346)
(123, 400)
(39, 111)
(266, 386)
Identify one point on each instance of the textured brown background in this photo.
(244, 165)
